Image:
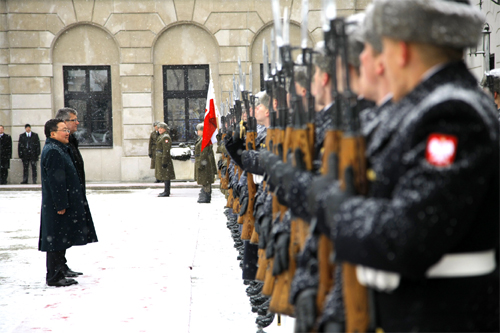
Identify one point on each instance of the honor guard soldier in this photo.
(164, 167)
(152, 146)
(491, 82)
(425, 237)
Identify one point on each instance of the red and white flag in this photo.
(210, 130)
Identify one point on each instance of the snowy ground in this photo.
(161, 265)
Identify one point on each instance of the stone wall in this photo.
(136, 38)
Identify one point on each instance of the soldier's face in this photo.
(368, 76)
(317, 84)
(261, 112)
(393, 58)
(200, 133)
(161, 130)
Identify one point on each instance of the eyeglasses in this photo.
(64, 130)
(75, 120)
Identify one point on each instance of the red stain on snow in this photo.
(51, 305)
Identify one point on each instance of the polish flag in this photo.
(211, 115)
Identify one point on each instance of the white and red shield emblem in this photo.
(166, 140)
(441, 149)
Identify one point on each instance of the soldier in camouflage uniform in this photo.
(164, 167)
(204, 167)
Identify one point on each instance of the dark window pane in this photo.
(175, 79)
(177, 130)
(197, 79)
(94, 107)
(197, 108)
(192, 136)
(176, 108)
(98, 80)
(76, 80)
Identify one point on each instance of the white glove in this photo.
(377, 279)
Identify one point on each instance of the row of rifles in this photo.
(291, 136)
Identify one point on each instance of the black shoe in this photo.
(70, 273)
(62, 283)
(164, 194)
(158, 181)
(24, 183)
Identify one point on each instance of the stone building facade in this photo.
(50, 50)
(124, 64)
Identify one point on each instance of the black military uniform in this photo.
(428, 232)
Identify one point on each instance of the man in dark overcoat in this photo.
(70, 117)
(152, 146)
(164, 167)
(204, 167)
(64, 219)
(28, 150)
(5, 155)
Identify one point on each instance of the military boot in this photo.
(204, 197)
(201, 195)
(166, 192)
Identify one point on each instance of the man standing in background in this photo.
(5, 155)
(29, 150)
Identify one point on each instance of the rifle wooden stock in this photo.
(355, 295)
(230, 199)
(262, 265)
(269, 278)
(325, 246)
(248, 218)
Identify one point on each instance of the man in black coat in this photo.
(64, 220)
(425, 238)
(70, 117)
(29, 151)
(5, 155)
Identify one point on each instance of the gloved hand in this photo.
(334, 199)
(234, 148)
(281, 254)
(305, 310)
(164, 166)
(250, 146)
(319, 190)
(220, 163)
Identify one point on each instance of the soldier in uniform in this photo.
(425, 238)
(164, 167)
(152, 147)
(5, 155)
(491, 82)
(204, 167)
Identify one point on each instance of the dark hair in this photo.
(27, 125)
(64, 113)
(51, 126)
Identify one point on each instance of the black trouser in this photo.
(4, 172)
(26, 165)
(56, 265)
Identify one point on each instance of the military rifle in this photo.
(251, 133)
(352, 155)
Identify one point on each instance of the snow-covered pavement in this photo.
(161, 265)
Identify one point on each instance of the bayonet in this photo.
(304, 27)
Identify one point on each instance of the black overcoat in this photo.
(5, 150)
(77, 159)
(61, 189)
(28, 148)
(417, 211)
